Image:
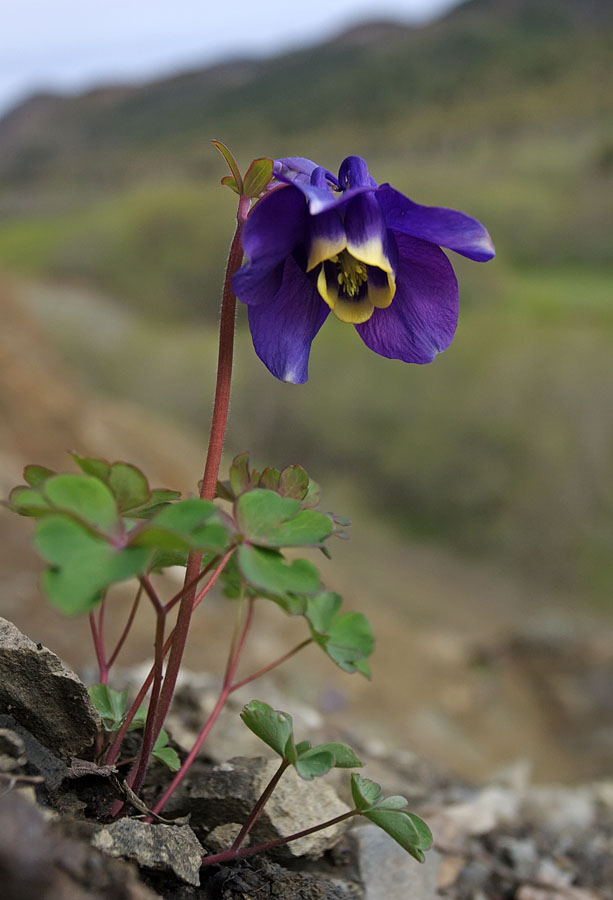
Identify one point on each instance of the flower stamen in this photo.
(351, 273)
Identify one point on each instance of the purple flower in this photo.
(317, 243)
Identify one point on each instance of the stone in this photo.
(44, 695)
(164, 847)
(38, 863)
(223, 836)
(388, 872)
(227, 793)
(559, 809)
(12, 750)
(488, 809)
(52, 769)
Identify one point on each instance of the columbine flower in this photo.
(317, 243)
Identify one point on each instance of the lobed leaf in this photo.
(272, 726)
(110, 704)
(269, 520)
(346, 638)
(82, 565)
(85, 497)
(293, 482)
(36, 476)
(266, 570)
(186, 525)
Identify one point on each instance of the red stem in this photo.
(213, 460)
(116, 745)
(136, 778)
(233, 660)
(227, 855)
(255, 813)
(127, 628)
(272, 665)
(99, 648)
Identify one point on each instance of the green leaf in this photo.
(186, 525)
(129, 486)
(402, 827)
(269, 520)
(365, 792)
(344, 757)
(313, 763)
(232, 165)
(322, 610)
(230, 181)
(26, 501)
(139, 719)
(223, 490)
(159, 499)
(165, 754)
(272, 726)
(267, 571)
(99, 468)
(85, 497)
(390, 814)
(293, 482)
(269, 479)
(239, 474)
(36, 476)
(313, 495)
(257, 177)
(347, 638)
(110, 704)
(82, 565)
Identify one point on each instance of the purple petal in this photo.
(327, 237)
(422, 318)
(283, 329)
(275, 226)
(354, 173)
(445, 227)
(367, 232)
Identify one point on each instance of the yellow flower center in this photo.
(351, 272)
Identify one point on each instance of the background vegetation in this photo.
(503, 447)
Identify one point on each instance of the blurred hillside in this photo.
(504, 109)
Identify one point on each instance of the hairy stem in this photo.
(99, 648)
(213, 460)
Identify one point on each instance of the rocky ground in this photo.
(506, 838)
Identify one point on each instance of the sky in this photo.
(71, 45)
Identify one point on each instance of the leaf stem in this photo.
(263, 799)
(233, 660)
(116, 745)
(270, 666)
(99, 648)
(127, 628)
(227, 855)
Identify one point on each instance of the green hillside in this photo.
(502, 108)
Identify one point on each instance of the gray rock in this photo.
(37, 862)
(228, 793)
(43, 695)
(166, 847)
(559, 809)
(388, 872)
(12, 750)
(52, 769)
